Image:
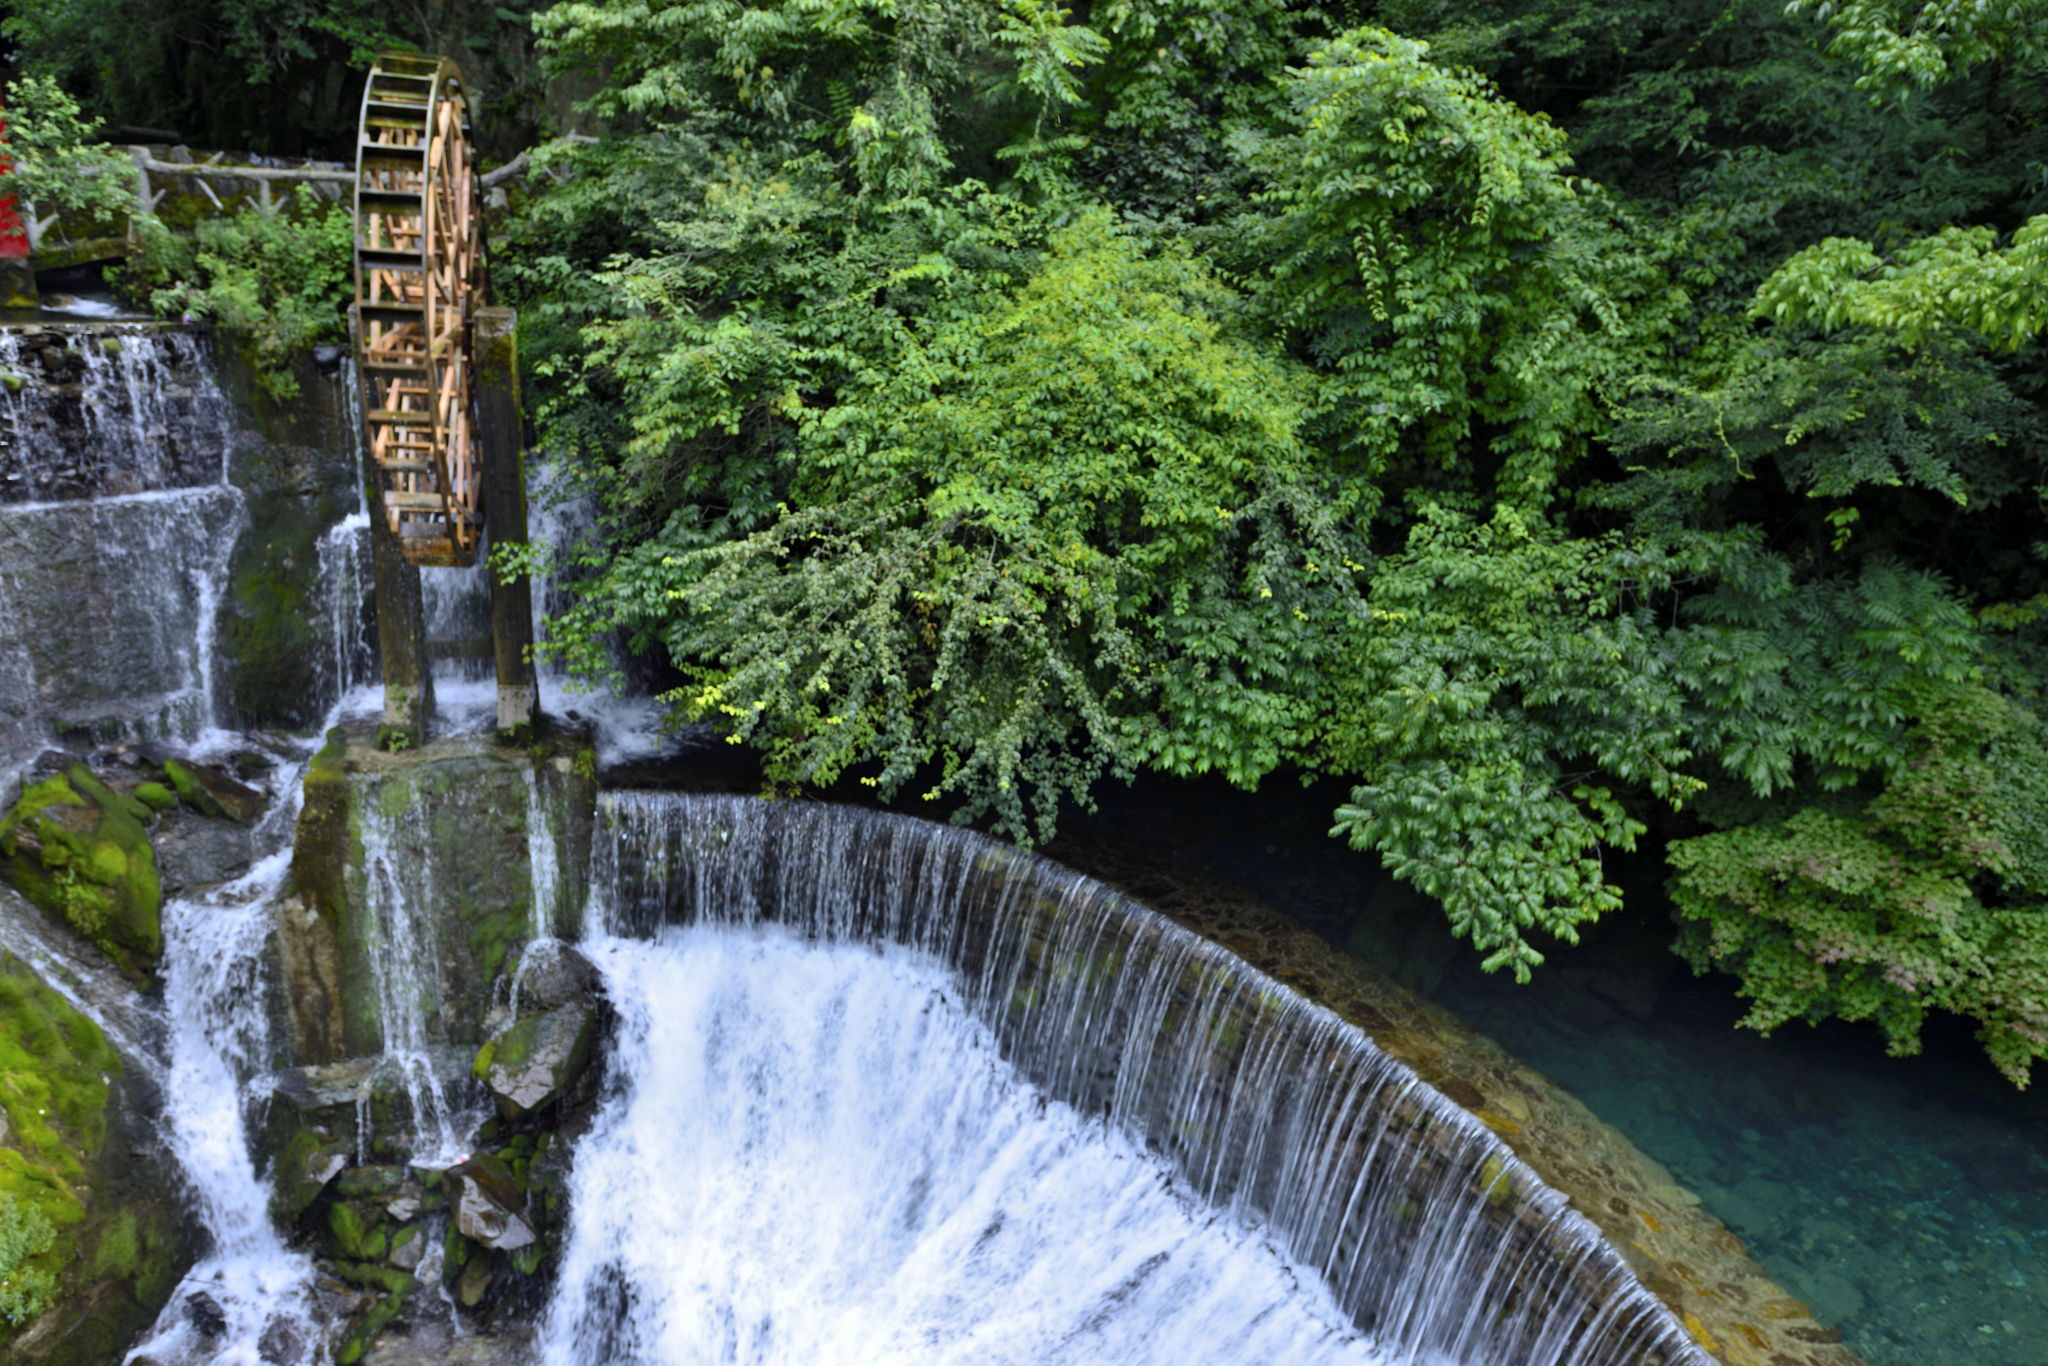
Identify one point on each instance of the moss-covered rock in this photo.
(535, 1062)
(75, 1119)
(304, 1164)
(79, 852)
(155, 796)
(456, 811)
(321, 946)
(190, 790)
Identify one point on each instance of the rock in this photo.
(357, 1230)
(197, 851)
(282, 1344)
(406, 1203)
(80, 1150)
(204, 1313)
(332, 1101)
(555, 974)
(474, 1281)
(213, 791)
(408, 1247)
(370, 1181)
(302, 1171)
(490, 1207)
(457, 810)
(78, 851)
(532, 1063)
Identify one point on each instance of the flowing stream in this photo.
(213, 995)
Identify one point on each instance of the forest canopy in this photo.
(1577, 428)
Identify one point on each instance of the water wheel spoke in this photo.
(418, 281)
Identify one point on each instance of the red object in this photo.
(13, 232)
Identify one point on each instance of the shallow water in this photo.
(849, 1172)
(1910, 1215)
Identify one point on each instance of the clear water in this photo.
(822, 1158)
(1909, 1214)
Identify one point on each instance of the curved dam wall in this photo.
(1432, 1236)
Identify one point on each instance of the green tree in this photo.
(277, 281)
(52, 161)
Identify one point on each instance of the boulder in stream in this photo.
(489, 1206)
(554, 974)
(536, 1061)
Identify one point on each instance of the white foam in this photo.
(818, 1156)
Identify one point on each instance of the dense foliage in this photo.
(277, 282)
(53, 162)
(24, 1233)
(1569, 424)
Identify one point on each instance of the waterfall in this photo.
(544, 867)
(214, 992)
(108, 411)
(822, 1157)
(346, 579)
(117, 525)
(404, 956)
(1133, 1035)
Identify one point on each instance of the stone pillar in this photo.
(401, 616)
(501, 439)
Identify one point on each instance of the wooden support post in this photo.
(500, 434)
(401, 623)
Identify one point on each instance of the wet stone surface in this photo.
(99, 410)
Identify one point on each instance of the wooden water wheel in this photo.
(419, 279)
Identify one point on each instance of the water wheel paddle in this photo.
(419, 280)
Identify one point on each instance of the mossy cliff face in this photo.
(80, 852)
(295, 464)
(450, 823)
(75, 1122)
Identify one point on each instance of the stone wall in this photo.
(172, 546)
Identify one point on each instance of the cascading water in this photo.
(345, 575)
(220, 1043)
(117, 525)
(111, 411)
(1124, 1033)
(403, 955)
(848, 1171)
